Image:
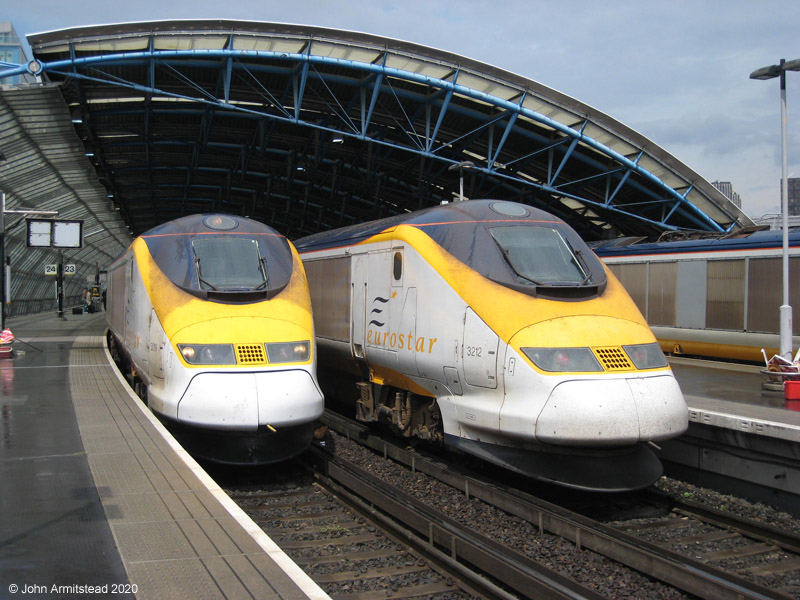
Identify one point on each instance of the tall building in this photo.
(726, 187)
(12, 51)
(794, 195)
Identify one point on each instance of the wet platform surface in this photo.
(53, 529)
(730, 396)
(740, 384)
(96, 493)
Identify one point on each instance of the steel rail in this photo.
(435, 534)
(689, 575)
(760, 531)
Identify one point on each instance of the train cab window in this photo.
(229, 264)
(397, 269)
(541, 255)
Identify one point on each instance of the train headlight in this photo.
(284, 352)
(207, 354)
(646, 356)
(560, 360)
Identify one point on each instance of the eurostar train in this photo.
(713, 297)
(490, 326)
(210, 317)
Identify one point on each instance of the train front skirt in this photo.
(597, 470)
(231, 447)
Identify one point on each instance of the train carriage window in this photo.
(725, 294)
(229, 263)
(540, 255)
(397, 268)
(661, 290)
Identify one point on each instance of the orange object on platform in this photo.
(791, 390)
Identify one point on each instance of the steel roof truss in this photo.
(407, 122)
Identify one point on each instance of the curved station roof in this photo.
(307, 129)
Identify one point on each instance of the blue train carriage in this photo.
(210, 316)
(491, 327)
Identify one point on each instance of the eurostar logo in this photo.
(391, 340)
(376, 314)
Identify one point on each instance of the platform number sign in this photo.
(53, 270)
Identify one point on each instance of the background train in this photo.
(211, 317)
(711, 297)
(490, 326)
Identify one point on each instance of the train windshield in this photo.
(541, 255)
(229, 264)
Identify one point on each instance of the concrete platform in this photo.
(730, 396)
(741, 439)
(97, 493)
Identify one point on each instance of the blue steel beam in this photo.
(306, 59)
(377, 90)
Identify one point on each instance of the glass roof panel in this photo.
(268, 44)
(345, 51)
(124, 44)
(190, 42)
(421, 67)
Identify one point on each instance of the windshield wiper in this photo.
(584, 267)
(580, 262)
(513, 268)
(264, 283)
(200, 277)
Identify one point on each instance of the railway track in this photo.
(343, 552)
(363, 539)
(686, 565)
(732, 543)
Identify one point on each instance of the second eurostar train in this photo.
(491, 327)
(210, 316)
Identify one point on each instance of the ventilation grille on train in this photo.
(250, 354)
(613, 359)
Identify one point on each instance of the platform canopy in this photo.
(307, 128)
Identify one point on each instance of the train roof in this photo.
(760, 239)
(454, 212)
(211, 223)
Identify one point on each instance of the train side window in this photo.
(397, 269)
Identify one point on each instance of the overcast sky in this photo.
(676, 71)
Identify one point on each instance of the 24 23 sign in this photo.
(53, 269)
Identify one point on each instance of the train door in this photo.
(479, 409)
(479, 352)
(381, 300)
(130, 305)
(357, 309)
(156, 341)
(404, 315)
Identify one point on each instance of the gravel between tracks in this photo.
(724, 502)
(586, 566)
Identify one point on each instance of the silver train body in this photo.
(210, 316)
(711, 297)
(490, 327)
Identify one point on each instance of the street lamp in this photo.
(772, 72)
